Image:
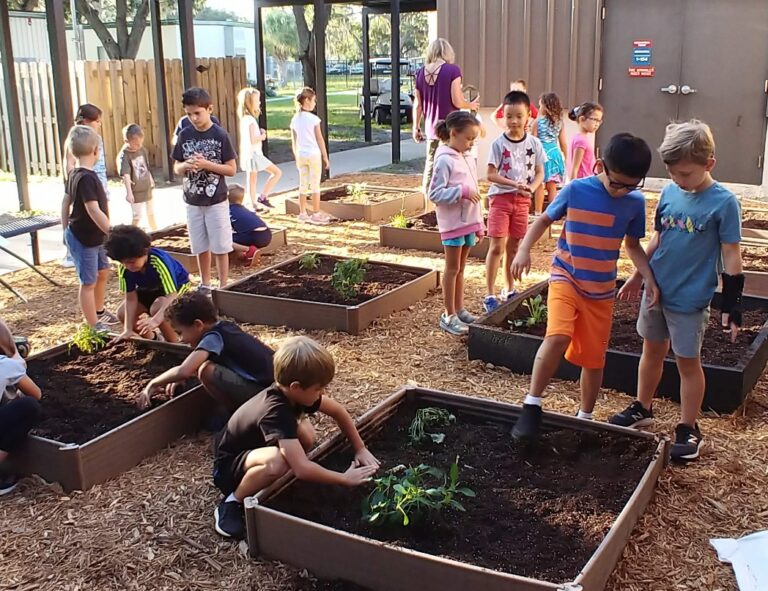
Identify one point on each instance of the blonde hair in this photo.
(302, 360)
(440, 49)
(691, 140)
(304, 95)
(235, 193)
(82, 141)
(244, 103)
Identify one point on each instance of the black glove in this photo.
(733, 286)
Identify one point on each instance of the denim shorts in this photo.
(466, 240)
(89, 260)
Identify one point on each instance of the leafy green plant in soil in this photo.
(347, 276)
(88, 339)
(357, 191)
(537, 313)
(408, 494)
(309, 261)
(399, 220)
(427, 418)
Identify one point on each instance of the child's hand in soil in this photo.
(124, 336)
(728, 325)
(631, 289)
(146, 326)
(364, 457)
(521, 265)
(145, 396)
(355, 476)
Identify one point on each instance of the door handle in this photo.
(685, 89)
(671, 89)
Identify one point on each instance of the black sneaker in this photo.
(528, 425)
(635, 415)
(230, 520)
(687, 443)
(265, 202)
(8, 483)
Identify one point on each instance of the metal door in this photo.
(709, 60)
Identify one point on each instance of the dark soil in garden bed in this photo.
(293, 282)
(174, 240)
(757, 220)
(540, 511)
(85, 396)
(754, 258)
(369, 196)
(717, 349)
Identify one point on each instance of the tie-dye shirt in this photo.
(595, 226)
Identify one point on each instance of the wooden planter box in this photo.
(335, 554)
(756, 284)
(727, 387)
(189, 260)
(753, 234)
(276, 311)
(79, 467)
(402, 200)
(419, 239)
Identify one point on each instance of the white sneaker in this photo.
(319, 219)
(303, 217)
(67, 261)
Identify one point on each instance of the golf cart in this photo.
(381, 92)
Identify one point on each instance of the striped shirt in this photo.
(161, 273)
(595, 226)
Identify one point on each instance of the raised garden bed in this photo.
(554, 515)
(421, 233)
(731, 370)
(175, 240)
(755, 259)
(372, 204)
(92, 430)
(754, 223)
(288, 295)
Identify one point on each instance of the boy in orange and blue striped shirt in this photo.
(600, 212)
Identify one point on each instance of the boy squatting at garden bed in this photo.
(232, 365)
(268, 435)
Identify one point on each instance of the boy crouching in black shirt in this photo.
(269, 434)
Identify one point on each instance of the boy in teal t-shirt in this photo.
(697, 221)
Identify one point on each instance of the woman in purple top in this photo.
(438, 93)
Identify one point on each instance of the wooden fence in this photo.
(126, 92)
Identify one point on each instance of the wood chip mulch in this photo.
(151, 528)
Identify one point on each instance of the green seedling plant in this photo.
(399, 220)
(88, 339)
(357, 191)
(309, 262)
(409, 494)
(347, 277)
(537, 313)
(427, 418)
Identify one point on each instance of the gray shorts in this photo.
(239, 389)
(684, 330)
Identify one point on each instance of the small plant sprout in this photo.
(88, 339)
(427, 418)
(309, 261)
(399, 220)
(537, 313)
(357, 191)
(409, 494)
(347, 276)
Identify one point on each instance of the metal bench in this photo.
(17, 225)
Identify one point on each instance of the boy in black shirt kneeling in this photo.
(269, 434)
(232, 365)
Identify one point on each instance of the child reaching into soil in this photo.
(550, 130)
(270, 434)
(581, 155)
(232, 365)
(600, 212)
(150, 279)
(252, 159)
(19, 404)
(456, 196)
(516, 170)
(310, 155)
(697, 221)
(249, 232)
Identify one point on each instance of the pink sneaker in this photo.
(319, 219)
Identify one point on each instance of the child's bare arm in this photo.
(98, 216)
(632, 286)
(339, 414)
(305, 469)
(131, 313)
(732, 263)
(66, 204)
(496, 178)
(538, 178)
(639, 258)
(128, 188)
(578, 156)
(29, 388)
(522, 263)
(561, 141)
(294, 140)
(181, 167)
(152, 322)
(321, 143)
(188, 369)
(229, 168)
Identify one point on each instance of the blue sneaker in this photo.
(452, 325)
(466, 317)
(490, 303)
(506, 295)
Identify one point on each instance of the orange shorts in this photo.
(586, 321)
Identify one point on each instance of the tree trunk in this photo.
(306, 46)
(127, 45)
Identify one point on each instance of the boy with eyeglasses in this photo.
(697, 222)
(600, 212)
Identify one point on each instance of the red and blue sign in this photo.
(642, 52)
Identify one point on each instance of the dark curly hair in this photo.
(127, 242)
(190, 307)
(553, 106)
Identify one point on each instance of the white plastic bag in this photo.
(749, 558)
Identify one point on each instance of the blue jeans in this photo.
(89, 260)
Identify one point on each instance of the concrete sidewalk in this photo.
(169, 207)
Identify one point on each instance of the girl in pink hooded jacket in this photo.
(456, 196)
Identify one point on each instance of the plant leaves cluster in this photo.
(88, 339)
(309, 261)
(347, 276)
(537, 313)
(399, 220)
(357, 191)
(427, 418)
(408, 494)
